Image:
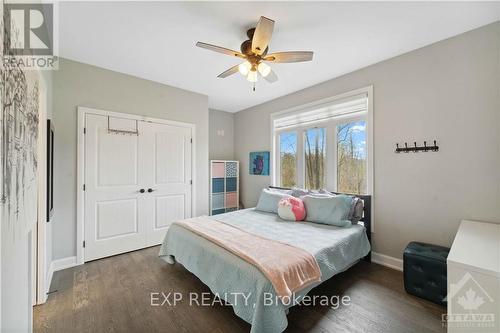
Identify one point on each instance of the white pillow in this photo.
(269, 199)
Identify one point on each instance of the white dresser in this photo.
(474, 279)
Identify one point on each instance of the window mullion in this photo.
(277, 159)
(300, 158)
(331, 176)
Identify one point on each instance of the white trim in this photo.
(48, 279)
(82, 112)
(387, 261)
(370, 161)
(318, 103)
(80, 165)
(41, 225)
(60, 264)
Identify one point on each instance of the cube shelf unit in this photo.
(224, 186)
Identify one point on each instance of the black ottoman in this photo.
(425, 271)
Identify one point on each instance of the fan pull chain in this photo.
(254, 86)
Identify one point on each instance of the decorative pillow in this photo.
(356, 211)
(280, 190)
(269, 199)
(331, 210)
(291, 209)
(299, 192)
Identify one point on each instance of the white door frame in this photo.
(39, 232)
(80, 202)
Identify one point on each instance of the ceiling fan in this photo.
(254, 51)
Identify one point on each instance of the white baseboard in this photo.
(387, 261)
(48, 278)
(57, 265)
(64, 263)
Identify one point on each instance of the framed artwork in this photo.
(259, 163)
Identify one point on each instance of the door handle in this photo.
(150, 190)
(142, 190)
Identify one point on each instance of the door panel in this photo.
(113, 205)
(165, 161)
(116, 218)
(114, 152)
(169, 209)
(170, 156)
(150, 156)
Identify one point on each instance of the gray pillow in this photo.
(280, 190)
(299, 192)
(269, 199)
(331, 210)
(356, 211)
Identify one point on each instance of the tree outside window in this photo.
(351, 157)
(315, 159)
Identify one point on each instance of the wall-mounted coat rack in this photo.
(416, 149)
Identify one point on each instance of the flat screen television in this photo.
(50, 169)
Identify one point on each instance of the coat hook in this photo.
(406, 147)
(415, 145)
(397, 148)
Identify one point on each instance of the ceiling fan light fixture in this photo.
(252, 76)
(244, 68)
(264, 69)
(254, 52)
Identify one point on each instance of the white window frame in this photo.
(331, 147)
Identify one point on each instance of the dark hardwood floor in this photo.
(113, 295)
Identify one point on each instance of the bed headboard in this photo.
(366, 221)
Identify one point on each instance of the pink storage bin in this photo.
(218, 170)
(231, 200)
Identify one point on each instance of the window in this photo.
(325, 145)
(288, 159)
(314, 158)
(351, 157)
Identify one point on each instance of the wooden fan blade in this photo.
(262, 35)
(229, 72)
(271, 77)
(220, 49)
(293, 56)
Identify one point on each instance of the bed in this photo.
(242, 284)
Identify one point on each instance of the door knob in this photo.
(150, 190)
(142, 190)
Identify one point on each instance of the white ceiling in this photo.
(156, 40)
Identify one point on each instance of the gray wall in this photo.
(221, 135)
(78, 84)
(448, 91)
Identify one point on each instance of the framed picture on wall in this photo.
(259, 163)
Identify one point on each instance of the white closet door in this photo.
(165, 162)
(114, 207)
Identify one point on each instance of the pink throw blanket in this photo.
(289, 268)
